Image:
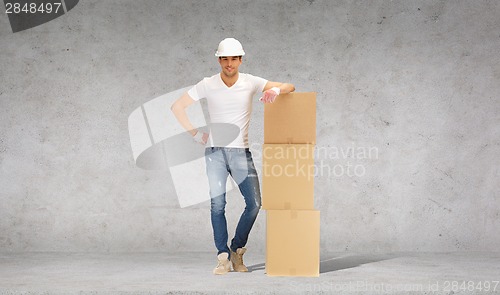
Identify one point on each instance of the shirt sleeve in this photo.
(257, 82)
(198, 91)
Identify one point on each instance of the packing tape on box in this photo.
(288, 205)
(293, 214)
(158, 141)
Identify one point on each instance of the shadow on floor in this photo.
(259, 266)
(350, 261)
(339, 263)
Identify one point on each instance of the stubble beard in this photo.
(229, 74)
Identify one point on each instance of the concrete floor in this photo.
(181, 273)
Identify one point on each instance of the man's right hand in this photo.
(201, 137)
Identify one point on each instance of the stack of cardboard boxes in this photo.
(292, 224)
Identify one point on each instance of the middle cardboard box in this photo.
(288, 176)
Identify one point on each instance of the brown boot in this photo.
(237, 260)
(223, 266)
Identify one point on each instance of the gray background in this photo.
(418, 80)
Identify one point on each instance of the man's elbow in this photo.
(290, 87)
(174, 107)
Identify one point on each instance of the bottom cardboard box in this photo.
(292, 243)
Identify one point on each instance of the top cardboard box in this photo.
(291, 119)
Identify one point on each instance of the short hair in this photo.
(240, 56)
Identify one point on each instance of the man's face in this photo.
(229, 65)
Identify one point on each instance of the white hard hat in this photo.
(230, 47)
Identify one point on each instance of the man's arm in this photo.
(273, 89)
(179, 110)
(284, 87)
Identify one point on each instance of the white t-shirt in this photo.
(231, 105)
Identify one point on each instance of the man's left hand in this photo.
(270, 95)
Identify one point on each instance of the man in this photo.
(229, 97)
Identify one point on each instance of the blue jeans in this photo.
(238, 163)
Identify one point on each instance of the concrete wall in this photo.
(417, 83)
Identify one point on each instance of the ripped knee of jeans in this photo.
(218, 205)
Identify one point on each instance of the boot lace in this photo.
(239, 258)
